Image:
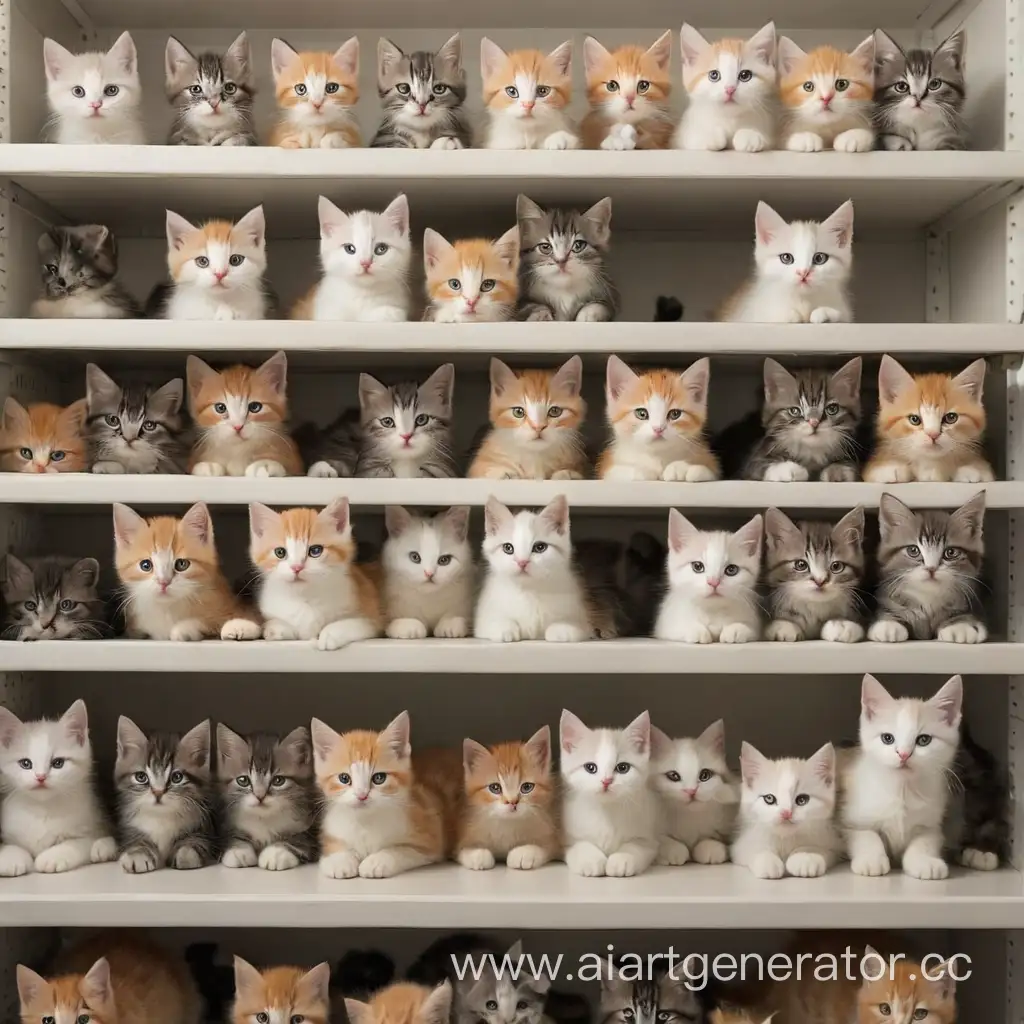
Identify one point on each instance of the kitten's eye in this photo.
(57, 456)
(642, 86)
(78, 91)
(280, 553)
(951, 554)
(379, 778)
(697, 566)
(665, 1015)
(58, 762)
(714, 76)
(202, 261)
(278, 781)
(836, 567)
(842, 84)
(622, 768)
(244, 781)
(491, 1004)
(590, 768)
(422, 420)
(495, 788)
(913, 550)
(674, 414)
(25, 764)
(26, 454)
(901, 87)
(786, 258)
(705, 775)
(146, 565)
(885, 1009)
(555, 411)
(177, 778)
(542, 91)
(67, 604)
(297, 1018)
(544, 248)
(808, 87)
(254, 406)
(923, 740)
(264, 1018)
(49, 1020)
(508, 549)
(887, 738)
(387, 421)
(181, 564)
(950, 418)
(196, 90)
(769, 799)
(30, 606)
(439, 89)
(832, 409)
(487, 284)
(349, 248)
(315, 550)
(820, 258)
(380, 248)
(933, 86)
(527, 787)
(112, 421)
(345, 779)
(673, 776)
(84, 1018)
(230, 89)
(512, 92)
(641, 414)
(915, 420)
(331, 88)
(745, 76)
(403, 89)
(539, 548)
(518, 412)
(444, 560)
(236, 260)
(455, 284)
(579, 245)
(628, 1013)
(141, 778)
(414, 557)
(731, 570)
(51, 268)
(795, 410)
(802, 799)
(300, 89)
(149, 426)
(612, 86)
(221, 408)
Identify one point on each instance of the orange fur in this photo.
(829, 62)
(43, 429)
(529, 64)
(195, 243)
(707, 59)
(403, 1003)
(282, 992)
(303, 307)
(471, 261)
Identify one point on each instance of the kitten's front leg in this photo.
(593, 312)
(278, 857)
(278, 629)
(330, 469)
(503, 631)
(265, 467)
(586, 859)
(566, 474)
(688, 633)
(632, 858)
(188, 631)
(66, 856)
(750, 140)
(339, 863)
(103, 850)
(888, 473)
(839, 473)
(842, 631)
(239, 855)
(237, 140)
(241, 629)
(895, 143)
(827, 315)
(714, 139)
(406, 629)
(527, 857)
(334, 140)
(224, 312)
(687, 472)
(536, 312)
(963, 630)
(786, 472)
(767, 865)
(191, 852)
(565, 633)
(923, 858)
(561, 140)
(783, 631)
(385, 315)
(672, 852)
(621, 472)
(343, 632)
(447, 142)
(620, 137)
(737, 633)
(476, 858)
(867, 853)
(711, 851)
(107, 467)
(394, 861)
(14, 861)
(139, 857)
(979, 860)
(806, 864)
(805, 142)
(975, 473)
(209, 469)
(888, 631)
(854, 140)
(452, 627)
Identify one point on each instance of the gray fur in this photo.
(984, 805)
(625, 583)
(52, 598)
(651, 1000)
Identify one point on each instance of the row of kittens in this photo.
(365, 804)
(929, 427)
(745, 94)
(709, 586)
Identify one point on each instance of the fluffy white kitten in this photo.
(94, 98)
(50, 818)
(697, 796)
(712, 576)
(895, 784)
(787, 814)
(428, 574)
(531, 591)
(609, 811)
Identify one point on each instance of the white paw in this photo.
(928, 869)
(687, 472)
(322, 469)
(406, 629)
(241, 629)
(749, 140)
(103, 850)
(477, 859)
(452, 627)
(53, 861)
(714, 139)
(806, 865)
(277, 858)
(783, 631)
(447, 142)
(889, 473)
(854, 140)
(785, 473)
(826, 315)
(842, 631)
(208, 469)
(805, 142)
(511, 633)
(871, 867)
(671, 852)
(584, 859)
(768, 865)
(341, 633)
(564, 633)
(621, 865)
(343, 864)
(927, 474)
(187, 859)
(542, 314)
(692, 634)
(14, 861)
(888, 631)
(241, 856)
(626, 473)
(593, 313)
(525, 858)
(737, 633)
(973, 475)
(838, 473)
(107, 467)
(139, 863)
(223, 312)
(381, 864)
(979, 860)
(896, 144)
(710, 851)
(186, 632)
(566, 474)
(622, 139)
(265, 467)
(277, 629)
(963, 633)
(561, 140)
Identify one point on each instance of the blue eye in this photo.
(316, 550)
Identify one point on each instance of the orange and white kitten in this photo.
(382, 815)
(827, 97)
(316, 97)
(657, 421)
(281, 994)
(241, 417)
(510, 808)
(114, 978)
(628, 89)
(536, 417)
(404, 1003)
(311, 588)
(173, 585)
(527, 95)
(930, 426)
(43, 438)
(473, 280)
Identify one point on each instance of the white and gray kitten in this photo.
(659, 997)
(52, 598)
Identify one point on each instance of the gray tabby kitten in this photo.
(165, 800)
(134, 429)
(267, 797)
(52, 599)
(400, 431)
(422, 94)
(652, 1000)
(930, 566)
(814, 570)
(79, 270)
(919, 94)
(562, 274)
(212, 95)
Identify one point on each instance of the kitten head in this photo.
(403, 1003)
(475, 279)
(628, 84)
(281, 993)
(51, 599)
(606, 762)
(314, 88)
(712, 564)
(908, 990)
(930, 415)
(407, 420)
(427, 552)
(919, 87)
(211, 92)
(909, 734)
(43, 438)
(301, 545)
(804, 253)
(371, 248)
(826, 86)
(564, 248)
(525, 83)
(738, 74)
(218, 256)
(509, 778)
(657, 405)
(162, 769)
(87, 86)
(419, 90)
(530, 547)
(649, 999)
(788, 791)
(45, 757)
(77, 259)
(262, 774)
(69, 997)
(540, 408)
(239, 402)
(501, 1000)
(692, 770)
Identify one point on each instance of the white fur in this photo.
(475, 300)
(91, 305)
(230, 452)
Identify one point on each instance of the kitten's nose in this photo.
(406, 438)
(605, 783)
(904, 755)
(40, 778)
(96, 104)
(527, 104)
(630, 100)
(471, 303)
(730, 91)
(786, 815)
(826, 100)
(214, 104)
(363, 796)
(220, 274)
(813, 423)
(423, 107)
(512, 804)
(163, 583)
(365, 264)
(933, 435)
(658, 431)
(522, 563)
(691, 792)
(429, 573)
(819, 583)
(317, 104)
(296, 568)
(715, 583)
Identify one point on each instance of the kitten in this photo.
(532, 590)
(827, 97)
(166, 802)
(52, 598)
(473, 281)
(281, 994)
(310, 587)
(697, 796)
(786, 819)
(94, 98)
(211, 94)
(43, 438)
(428, 574)
(366, 258)
(241, 417)
(628, 89)
(930, 573)
(733, 92)
(712, 584)
(317, 94)
(134, 429)
(510, 811)
(894, 784)
(659, 996)
(79, 271)
(562, 274)
(801, 271)
(267, 799)
(403, 1003)
(51, 819)
(982, 840)
(216, 271)
(920, 94)
(536, 417)
(423, 96)
(657, 424)
(930, 426)
(526, 96)
(814, 570)
(171, 581)
(609, 811)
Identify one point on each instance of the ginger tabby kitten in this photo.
(282, 993)
(473, 280)
(43, 438)
(403, 1003)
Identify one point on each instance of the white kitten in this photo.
(787, 814)
(531, 591)
(428, 574)
(95, 98)
(895, 784)
(697, 796)
(608, 811)
(51, 819)
(712, 577)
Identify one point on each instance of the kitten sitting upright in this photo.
(471, 281)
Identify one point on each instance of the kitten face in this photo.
(51, 599)
(162, 769)
(407, 421)
(509, 779)
(86, 86)
(916, 87)
(418, 89)
(908, 993)
(734, 73)
(43, 438)
(45, 757)
(474, 279)
(628, 84)
(537, 406)
(714, 564)
(803, 254)
(365, 246)
(76, 259)
(210, 92)
(826, 86)
(262, 774)
(692, 770)
(314, 88)
(282, 993)
(788, 791)
(528, 546)
(612, 762)
(659, 405)
(648, 1001)
(301, 545)
(563, 248)
(68, 998)
(427, 552)
(494, 1000)
(239, 402)
(219, 256)
(525, 84)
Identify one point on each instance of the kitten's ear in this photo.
(594, 54)
(599, 216)
(840, 224)
(887, 50)
(261, 519)
(949, 700)
(850, 529)
(85, 573)
(972, 380)
(370, 390)
(556, 514)
(450, 53)
(178, 230)
(166, 401)
(197, 373)
(660, 51)
(661, 743)
(680, 530)
(358, 1012)
(873, 697)
(894, 515)
(347, 56)
(395, 736)
(571, 731)
(497, 517)
(492, 58)
(437, 1007)
(396, 519)
(714, 736)
(95, 987)
(331, 217)
(502, 376)
(441, 384)
(127, 523)
(892, 379)
(281, 56)
(457, 518)
(195, 747)
(781, 532)
(767, 223)
(752, 763)
(953, 49)
(435, 248)
(396, 213)
(789, 55)
(16, 418)
(325, 739)
(238, 59)
(275, 373)
(298, 746)
(196, 522)
(749, 536)
(970, 516)
(864, 55)
(129, 736)
(691, 43)
(569, 377)
(823, 764)
(618, 377)
(561, 57)
(762, 44)
(527, 209)
(338, 514)
(695, 379)
(10, 726)
(638, 733)
(248, 982)
(313, 986)
(232, 751)
(125, 55)
(17, 576)
(538, 746)
(253, 226)
(55, 58)
(30, 985)
(176, 56)
(506, 248)
(74, 415)
(473, 754)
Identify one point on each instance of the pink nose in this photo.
(630, 100)
(715, 583)
(423, 107)
(658, 431)
(362, 796)
(429, 573)
(238, 427)
(406, 437)
(690, 792)
(365, 264)
(786, 815)
(96, 104)
(40, 778)
(527, 104)
(522, 564)
(904, 755)
(819, 583)
(296, 568)
(318, 104)
(220, 274)
(813, 424)
(606, 782)
(933, 435)
(471, 303)
(730, 91)
(163, 584)
(803, 275)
